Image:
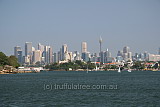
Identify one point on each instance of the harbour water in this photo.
(138, 88)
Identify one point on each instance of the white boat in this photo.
(129, 70)
(87, 69)
(119, 70)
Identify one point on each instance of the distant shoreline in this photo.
(68, 71)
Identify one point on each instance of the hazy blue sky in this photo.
(135, 23)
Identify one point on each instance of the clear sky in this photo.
(135, 23)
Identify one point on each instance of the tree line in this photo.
(8, 60)
(73, 65)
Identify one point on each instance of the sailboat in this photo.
(119, 70)
(87, 69)
(129, 70)
(96, 68)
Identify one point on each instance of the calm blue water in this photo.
(139, 88)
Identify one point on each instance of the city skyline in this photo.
(43, 54)
(83, 47)
(120, 23)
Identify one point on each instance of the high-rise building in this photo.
(127, 55)
(76, 56)
(68, 56)
(55, 59)
(126, 49)
(159, 51)
(16, 49)
(48, 54)
(102, 57)
(37, 56)
(18, 54)
(120, 53)
(64, 50)
(27, 59)
(28, 48)
(84, 47)
(130, 55)
(153, 57)
(107, 56)
(86, 56)
(146, 56)
(41, 47)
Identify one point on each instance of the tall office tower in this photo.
(27, 59)
(146, 56)
(16, 49)
(41, 47)
(33, 49)
(136, 56)
(107, 53)
(28, 48)
(102, 57)
(76, 56)
(126, 54)
(107, 56)
(68, 56)
(37, 55)
(84, 47)
(159, 51)
(18, 54)
(86, 56)
(59, 55)
(120, 53)
(64, 50)
(126, 49)
(48, 54)
(130, 55)
(55, 59)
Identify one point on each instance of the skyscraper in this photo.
(16, 49)
(159, 51)
(126, 49)
(84, 47)
(48, 54)
(41, 47)
(64, 50)
(18, 54)
(55, 57)
(37, 55)
(28, 48)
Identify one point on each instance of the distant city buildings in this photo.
(84, 47)
(18, 54)
(28, 48)
(44, 55)
(37, 56)
(153, 57)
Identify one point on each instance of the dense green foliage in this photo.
(11, 60)
(73, 65)
(3, 59)
(138, 65)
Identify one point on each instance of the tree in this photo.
(91, 65)
(3, 59)
(138, 65)
(12, 60)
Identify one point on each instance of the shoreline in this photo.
(68, 71)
